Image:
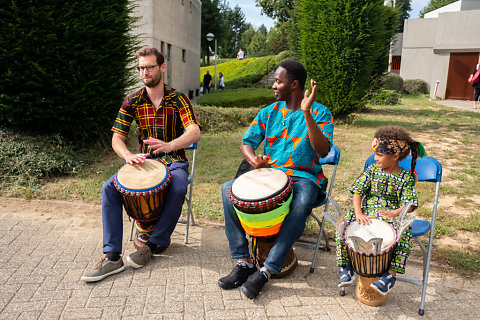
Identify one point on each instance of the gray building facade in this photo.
(173, 27)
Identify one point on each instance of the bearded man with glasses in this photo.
(166, 125)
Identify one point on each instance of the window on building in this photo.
(162, 47)
(184, 55)
(169, 51)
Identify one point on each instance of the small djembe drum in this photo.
(370, 249)
(262, 199)
(143, 187)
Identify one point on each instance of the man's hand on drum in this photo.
(136, 158)
(362, 218)
(262, 162)
(158, 145)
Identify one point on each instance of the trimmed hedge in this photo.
(345, 46)
(65, 65)
(416, 86)
(385, 97)
(215, 119)
(238, 98)
(392, 81)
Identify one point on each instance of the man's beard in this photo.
(153, 82)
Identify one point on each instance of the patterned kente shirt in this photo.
(286, 139)
(167, 123)
(384, 191)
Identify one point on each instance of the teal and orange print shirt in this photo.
(167, 123)
(286, 139)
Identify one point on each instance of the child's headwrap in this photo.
(392, 146)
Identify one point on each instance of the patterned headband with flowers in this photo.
(389, 146)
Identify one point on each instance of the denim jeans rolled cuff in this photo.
(236, 236)
(305, 194)
(112, 210)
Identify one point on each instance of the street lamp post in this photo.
(210, 37)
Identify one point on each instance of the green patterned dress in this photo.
(382, 191)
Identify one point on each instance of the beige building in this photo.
(173, 27)
(444, 48)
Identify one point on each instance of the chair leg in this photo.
(189, 213)
(317, 246)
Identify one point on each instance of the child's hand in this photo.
(389, 214)
(363, 218)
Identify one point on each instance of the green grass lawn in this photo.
(451, 136)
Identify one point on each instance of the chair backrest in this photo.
(426, 168)
(193, 146)
(333, 157)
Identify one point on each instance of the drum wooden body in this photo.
(143, 187)
(370, 249)
(262, 200)
(365, 261)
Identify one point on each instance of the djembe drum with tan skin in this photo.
(143, 187)
(262, 199)
(370, 249)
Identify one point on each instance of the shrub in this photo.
(215, 119)
(65, 65)
(345, 45)
(392, 81)
(238, 98)
(416, 86)
(385, 97)
(24, 160)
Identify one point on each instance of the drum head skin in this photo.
(376, 229)
(259, 184)
(142, 176)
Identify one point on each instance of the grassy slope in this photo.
(241, 71)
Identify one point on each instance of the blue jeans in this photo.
(112, 210)
(305, 193)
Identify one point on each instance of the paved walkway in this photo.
(42, 259)
(459, 104)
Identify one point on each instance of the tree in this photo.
(277, 38)
(434, 5)
(258, 45)
(65, 66)
(247, 37)
(233, 28)
(277, 9)
(345, 45)
(212, 22)
(404, 6)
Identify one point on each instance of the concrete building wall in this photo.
(461, 5)
(455, 6)
(427, 44)
(173, 27)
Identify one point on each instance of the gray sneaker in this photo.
(140, 257)
(103, 269)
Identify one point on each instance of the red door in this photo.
(459, 69)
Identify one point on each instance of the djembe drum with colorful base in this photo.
(370, 249)
(262, 199)
(143, 187)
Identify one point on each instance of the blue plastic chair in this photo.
(427, 169)
(333, 158)
(188, 197)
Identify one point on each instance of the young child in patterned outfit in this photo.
(381, 192)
